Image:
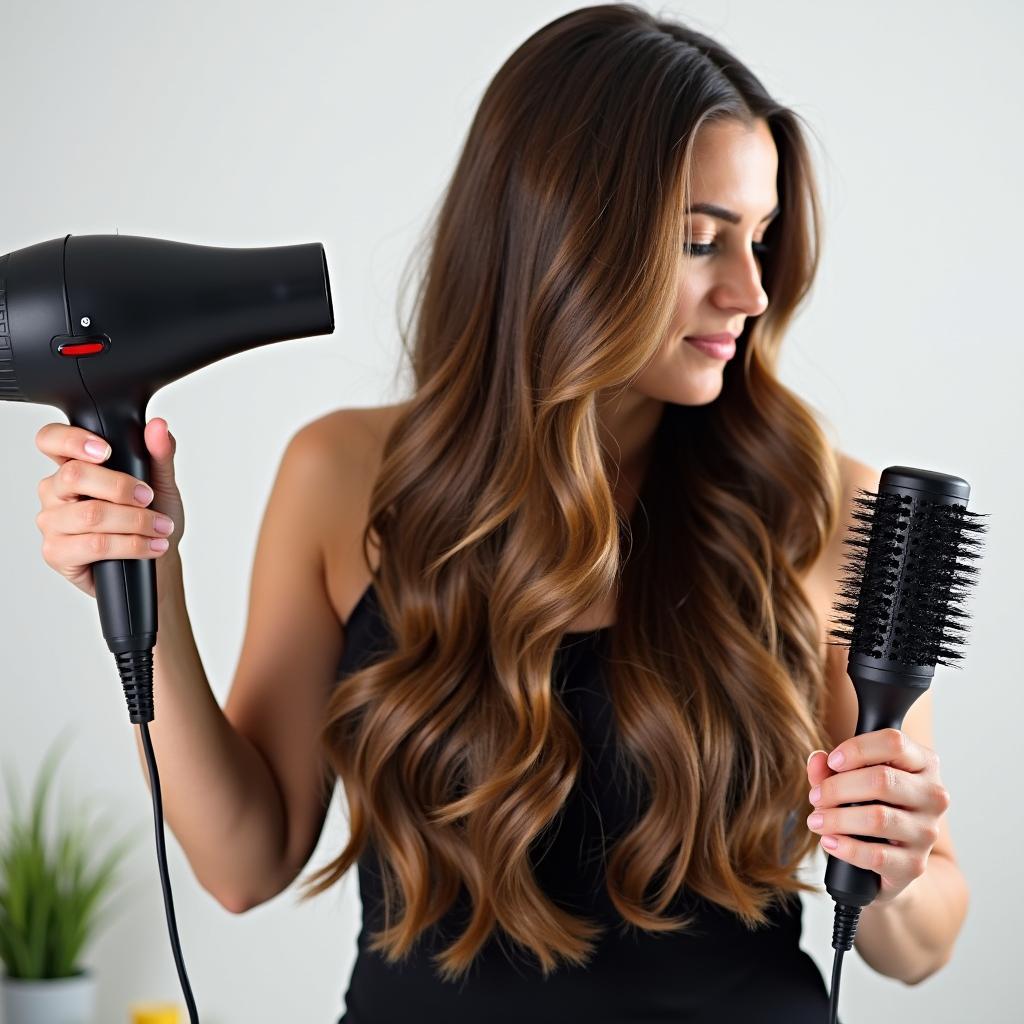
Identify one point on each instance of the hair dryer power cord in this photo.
(136, 668)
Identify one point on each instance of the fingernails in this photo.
(812, 753)
(143, 495)
(97, 449)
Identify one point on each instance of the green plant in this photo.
(48, 897)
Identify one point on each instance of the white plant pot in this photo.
(49, 1001)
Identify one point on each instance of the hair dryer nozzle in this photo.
(94, 315)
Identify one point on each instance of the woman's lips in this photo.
(719, 346)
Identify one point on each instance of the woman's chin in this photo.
(702, 385)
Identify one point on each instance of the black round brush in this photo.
(900, 612)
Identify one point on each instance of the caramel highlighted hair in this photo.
(551, 280)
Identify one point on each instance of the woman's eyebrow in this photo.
(723, 214)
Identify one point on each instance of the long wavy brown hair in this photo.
(550, 283)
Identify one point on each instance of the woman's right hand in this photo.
(90, 513)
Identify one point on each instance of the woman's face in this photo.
(719, 283)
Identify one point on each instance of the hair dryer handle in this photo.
(125, 588)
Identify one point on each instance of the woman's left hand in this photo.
(889, 767)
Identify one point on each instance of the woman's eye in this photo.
(705, 248)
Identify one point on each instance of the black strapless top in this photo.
(721, 974)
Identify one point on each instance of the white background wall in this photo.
(266, 124)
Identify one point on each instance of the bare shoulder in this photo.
(348, 445)
(354, 436)
(822, 587)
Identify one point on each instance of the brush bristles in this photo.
(905, 579)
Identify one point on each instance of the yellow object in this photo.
(155, 1013)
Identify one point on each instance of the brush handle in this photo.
(884, 699)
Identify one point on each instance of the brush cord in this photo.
(833, 1000)
(844, 929)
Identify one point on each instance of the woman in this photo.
(558, 621)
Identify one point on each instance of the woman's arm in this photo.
(218, 797)
(242, 786)
(912, 937)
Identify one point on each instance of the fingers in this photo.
(92, 513)
(896, 864)
(76, 479)
(61, 442)
(881, 782)
(892, 746)
(94, 516)
(60, 551)
(873, 820)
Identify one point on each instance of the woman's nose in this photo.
(741, 288)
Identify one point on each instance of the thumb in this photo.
(161, 445)
(817, 767)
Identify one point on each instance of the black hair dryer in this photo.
(96, 324)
